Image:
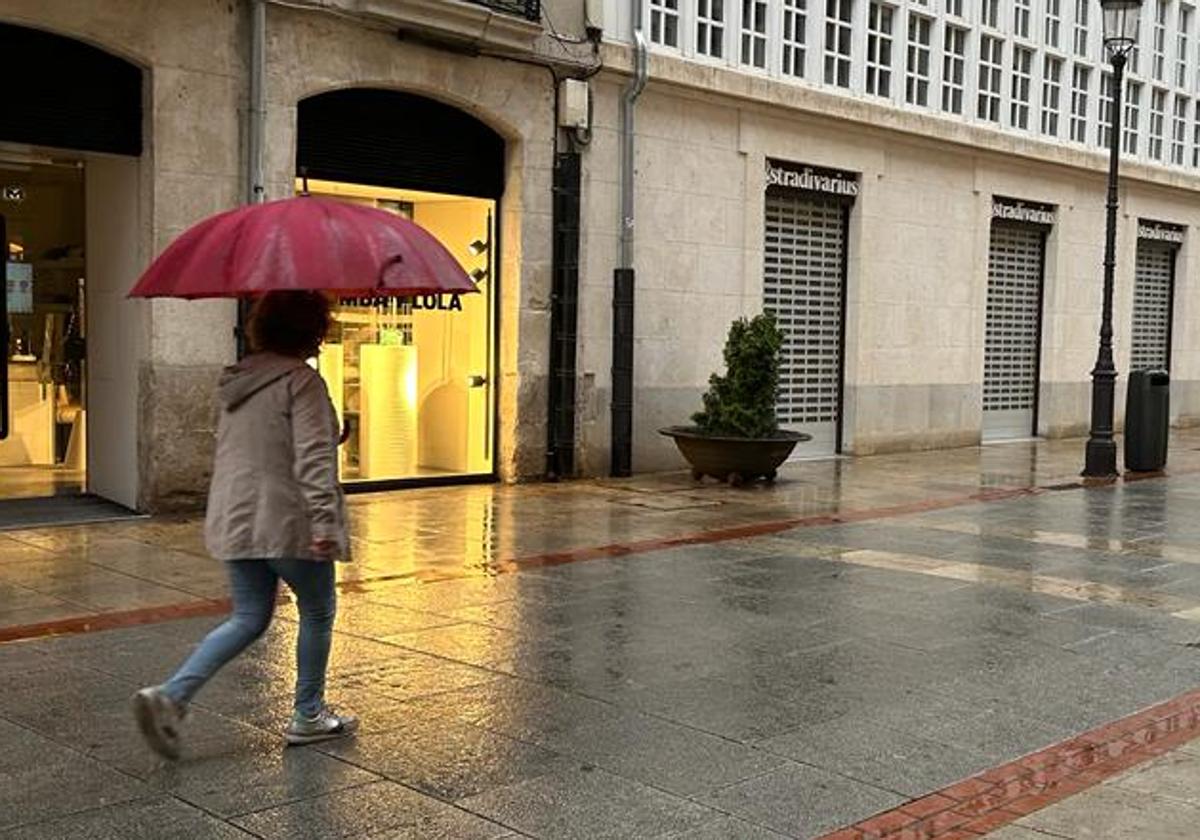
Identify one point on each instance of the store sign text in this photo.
(807, 179)
(440, 303)
(1160, 233)
(1022, 213)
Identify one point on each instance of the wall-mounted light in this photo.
(477, 247)
(479, 275)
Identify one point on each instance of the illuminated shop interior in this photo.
(42, 204)
(411, 378)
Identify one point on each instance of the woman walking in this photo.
(275, 511)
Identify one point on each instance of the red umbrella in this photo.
(303, 243)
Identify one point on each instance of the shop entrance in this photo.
(70, 232)
(1153, 296)
(1012, 342)
(412, 378)
(804, 285)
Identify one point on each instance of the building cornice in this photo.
(453, 22)
(740, 89)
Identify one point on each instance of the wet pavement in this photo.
(644, 659)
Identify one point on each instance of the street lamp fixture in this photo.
(1120, 36)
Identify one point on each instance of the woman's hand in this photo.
(324, 549)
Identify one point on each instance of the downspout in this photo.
(623, 276)
(256, 118)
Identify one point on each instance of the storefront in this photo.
(1154, 294)
(412, 379)
(68, 150)
(1013, 333)
(804, 286)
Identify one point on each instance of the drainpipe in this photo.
(623, 277)
(256, 119)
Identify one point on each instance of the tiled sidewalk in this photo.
(787, 684)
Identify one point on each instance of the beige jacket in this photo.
(275, 478)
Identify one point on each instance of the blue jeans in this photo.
(254, 585)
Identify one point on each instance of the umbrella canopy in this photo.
(303, 243)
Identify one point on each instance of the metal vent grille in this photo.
(1152, 285)
(803, 279)
(1010, 367)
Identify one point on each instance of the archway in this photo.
(70, 144)
(413, 379)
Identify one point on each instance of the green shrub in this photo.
(742, 402)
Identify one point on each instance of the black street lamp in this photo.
(1120, 36)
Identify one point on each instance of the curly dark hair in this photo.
(289, 323)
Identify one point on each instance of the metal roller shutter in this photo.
(804, 281)
(1152, 288)
(1013, 333)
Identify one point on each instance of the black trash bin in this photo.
(1147, 420)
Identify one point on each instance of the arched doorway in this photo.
(412, 379)
(69, 220)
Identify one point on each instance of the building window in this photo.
(1051, 91)
(1179, 130)
(795, 23)
(1158, 116)
(1021, 18)
(1081, 28)
(1104, 123)
(954, 60)
(838, 37)
(1133, 108)
(1196, 137)
(989, 13)
(1053, 22)
(991, 65)
(954, 7)
(1160, 41)
(920, 34)
(1022, 76)
(710, 28)
(879, 49)
(1081, 78)
(754, 33)
(1181, 46)
(664, 22)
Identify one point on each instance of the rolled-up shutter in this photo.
(392, 139)
(63, 93)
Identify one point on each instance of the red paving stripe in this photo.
(114, 620)
(995, 798)
(193, 609)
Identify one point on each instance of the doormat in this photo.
(54, 511)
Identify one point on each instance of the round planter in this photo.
(732, 459)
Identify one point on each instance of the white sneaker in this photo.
(159, 717)
(325, 725)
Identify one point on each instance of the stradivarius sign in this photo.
(1022, 211)
(1160, 231)
(811, 179)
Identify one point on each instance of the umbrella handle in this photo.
(388, 263)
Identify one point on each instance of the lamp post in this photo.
(1120, 36)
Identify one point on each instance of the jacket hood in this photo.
(249, 376)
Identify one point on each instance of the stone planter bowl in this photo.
(731, 459)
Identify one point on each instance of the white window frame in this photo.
(1052, 28)
(754, 45)
(880, 52)
(1021, 87)
(1104, 111)
(952, 87)
(1158, 123)
(918, 69)
(1183, 33)
(835, 59)
(1179, 126)
(1130, 135)
(1022, 18)
(1158, 46)
(710, 29)
(989, 14)
(991, 78)
(1081, 37)
(1051, 105)
(794, 47)
(1080, 94)
(660, 12)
